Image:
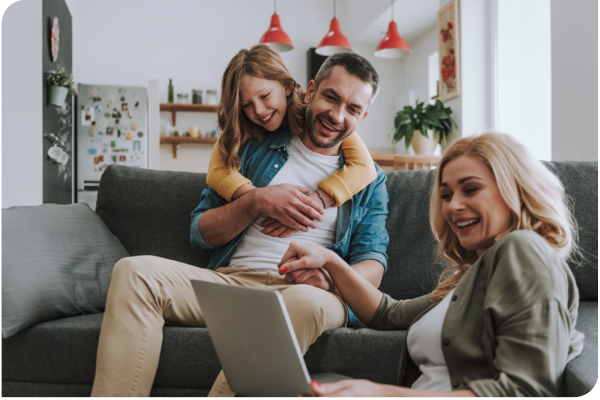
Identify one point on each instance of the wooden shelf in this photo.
(174, 108)
(177, 140)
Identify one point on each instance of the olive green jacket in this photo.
(510, 327)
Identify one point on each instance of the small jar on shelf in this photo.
(183, 98)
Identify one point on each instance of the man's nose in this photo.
(336, 114)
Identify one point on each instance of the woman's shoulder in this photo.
(524, 257)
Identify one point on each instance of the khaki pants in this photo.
(146, 292)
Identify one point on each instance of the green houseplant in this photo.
(60, 82)
(421, 119)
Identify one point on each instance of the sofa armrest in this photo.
(581, 373)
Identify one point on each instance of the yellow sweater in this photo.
(358, 171)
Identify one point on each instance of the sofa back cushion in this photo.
(149, 211)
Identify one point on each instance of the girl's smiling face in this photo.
(263, 101)
(472, 204)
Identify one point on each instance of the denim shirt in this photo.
(360, 229)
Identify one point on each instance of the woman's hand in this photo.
(303, 256)
(290, 205)
(354, 388)
(275, 228)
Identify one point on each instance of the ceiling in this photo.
(370, 19)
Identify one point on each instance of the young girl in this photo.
(272, 99)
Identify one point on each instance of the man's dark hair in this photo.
(353, 63)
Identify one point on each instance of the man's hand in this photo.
(290, 205)
(275, 228)
(314, 277)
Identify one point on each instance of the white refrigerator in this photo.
(112, 128)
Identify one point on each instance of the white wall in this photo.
(22, 104)
(415, 72)
(574, 80)
(524, 87)
(191, 41)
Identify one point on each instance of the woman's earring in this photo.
(287, 93)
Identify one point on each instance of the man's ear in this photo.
(364, 116)
(310, 91)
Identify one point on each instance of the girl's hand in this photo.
(276, 228)
(303, 256)
(351, 388)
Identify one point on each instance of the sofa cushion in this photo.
(64, 352)
(150, 211)
(580, 180)
(581, 373)
(56, 262)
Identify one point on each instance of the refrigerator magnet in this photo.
(92, 150)
(105, 147)
(137, 104)
(118, 133)
(137, 145)
(95, 99)
(87, 117)
(91, 132)
(122, 158)
(122, 98)
(113, 144)
(110, 130)
(134, 126)
(129, 136)
(140, 134)
(124, 107)
(106, 115)
(113, 158)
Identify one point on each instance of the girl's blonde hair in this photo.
(263, 62)
(534, 195)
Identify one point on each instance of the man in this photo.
(146, 292)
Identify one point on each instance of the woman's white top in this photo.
(424, 343)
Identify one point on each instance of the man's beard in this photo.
(310, 128)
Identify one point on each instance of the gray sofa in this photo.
(149, 212)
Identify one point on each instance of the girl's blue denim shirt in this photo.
(360, 231)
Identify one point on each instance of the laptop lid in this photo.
(242, 323)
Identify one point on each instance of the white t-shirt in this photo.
(304, 167)
(424, 343)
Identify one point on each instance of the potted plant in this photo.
(414, 123)
(60, 83)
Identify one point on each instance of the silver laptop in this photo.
(255, 341)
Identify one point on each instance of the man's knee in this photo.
(133, 269)
(310, 304)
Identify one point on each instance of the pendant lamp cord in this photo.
(334, 9)
(275, 6)
(392, 10)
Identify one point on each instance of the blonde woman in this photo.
(501, 321)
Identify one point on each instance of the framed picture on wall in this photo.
(449, 50)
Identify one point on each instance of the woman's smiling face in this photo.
(472, 203)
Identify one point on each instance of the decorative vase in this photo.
(421, 145)
(58, 94)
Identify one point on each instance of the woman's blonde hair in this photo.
(535, 196)
(263, 62)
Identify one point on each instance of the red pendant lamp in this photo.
(334, 41)
(275, 36)
(392, 45)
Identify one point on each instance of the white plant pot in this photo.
(58, 94)
(421, 145)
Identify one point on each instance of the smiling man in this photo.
(146, 292)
